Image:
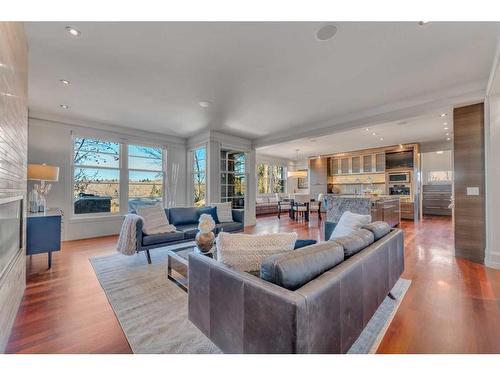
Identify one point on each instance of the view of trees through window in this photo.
(145, 176)
(96, 175)
(270, 179)
(199, 176)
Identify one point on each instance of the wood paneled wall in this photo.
(13, 158)
(469, 170)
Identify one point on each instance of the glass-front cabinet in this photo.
(233, 178)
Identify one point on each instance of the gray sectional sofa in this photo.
(317, 299)
(185, 220)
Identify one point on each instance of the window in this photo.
(278, 179)
(199, 176)
(102, 185)
(233, 177)
(96, 176)
(263, 181)
(145, 174)
(271, 179)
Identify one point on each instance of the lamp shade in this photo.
(300, 174)
(43, 172)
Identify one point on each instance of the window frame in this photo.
(163, 169)
(123, 184)
(193, 173)
(271, 184)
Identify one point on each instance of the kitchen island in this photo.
(381, 208)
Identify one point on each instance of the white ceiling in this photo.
(425, 129)
(262, 78)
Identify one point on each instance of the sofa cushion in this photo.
(348, 223)
(378, 228)
(293, 269)
(154, 220)
(189, 230)
(224, 211)
(260, 200)
(212, 211)
(245, 252)
(355, 242)
(183, 215)
(228, 227)
(155, 239)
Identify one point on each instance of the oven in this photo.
(398, 177)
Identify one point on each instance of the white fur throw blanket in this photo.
(127, 240)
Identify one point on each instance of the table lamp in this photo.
(43, 173)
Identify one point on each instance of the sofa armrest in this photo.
(239, 216)
(138, 234)
(242, 313)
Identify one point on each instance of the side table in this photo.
(43, 233)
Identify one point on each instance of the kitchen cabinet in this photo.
(356, 164)
(344, 165)
(407, 210)
(380, 162)
(387, 210)
(367, 163)
(436, 200)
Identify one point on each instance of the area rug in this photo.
(152, 310)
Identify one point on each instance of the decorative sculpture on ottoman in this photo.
(205, 237)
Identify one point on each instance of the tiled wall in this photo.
(13, 158)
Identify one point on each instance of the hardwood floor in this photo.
(452, 306)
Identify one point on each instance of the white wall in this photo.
(292, 182)
(492, 138)
(50, 142)
(432, 161)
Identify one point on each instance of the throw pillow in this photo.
(154, 220)
(224, 212)
(212, 211)
(349, 223)
(245, 252)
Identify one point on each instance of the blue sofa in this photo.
(185, 220)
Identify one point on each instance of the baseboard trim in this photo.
(492, 261)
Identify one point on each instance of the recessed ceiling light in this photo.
(65, 82)
(205, 104)
(448, 139)
(447, 134)
(443, 114)
(374, 133)
(381, 138)
(446, 128)
(72, 31)
(439, 152)
(422, 23)
(445, 123)
(367, 129)
(327, 32)
(64, 106)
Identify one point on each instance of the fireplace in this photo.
(11, 221)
